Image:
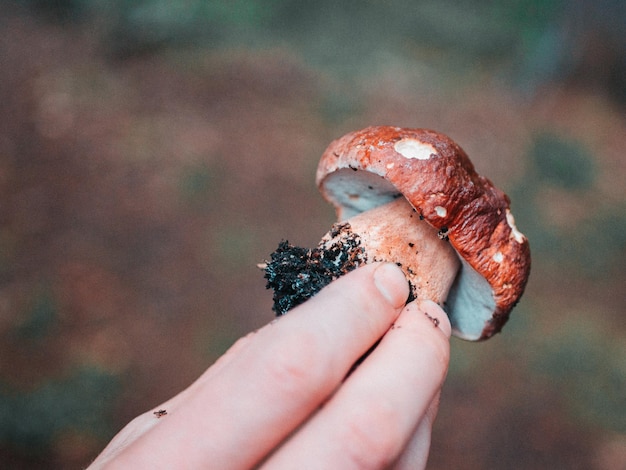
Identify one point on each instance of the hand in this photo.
(283, 397)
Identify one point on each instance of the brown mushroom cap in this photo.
(370, 167)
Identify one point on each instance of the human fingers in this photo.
(415, 454)
(372, 416)
(145, 421)
(234, 417)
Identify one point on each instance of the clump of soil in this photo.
(296, 274)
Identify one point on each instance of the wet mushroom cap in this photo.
(373, 166)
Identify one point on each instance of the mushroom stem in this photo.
(394, 232)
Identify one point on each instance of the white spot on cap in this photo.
(441, 211)
(390, 165)
(519, 236)
(498, 257)
(411, 148)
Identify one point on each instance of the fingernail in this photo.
(434, 311)
(392, 284)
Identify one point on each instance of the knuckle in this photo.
(295, 365)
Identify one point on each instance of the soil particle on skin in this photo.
(159, 413)
(432, 319)
(297, 274)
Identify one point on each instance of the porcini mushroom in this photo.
(412, 197)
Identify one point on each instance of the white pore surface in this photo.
(470, 303)
(358, 191)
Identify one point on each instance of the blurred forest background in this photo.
(153, 152)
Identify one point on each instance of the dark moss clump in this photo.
(297, 274)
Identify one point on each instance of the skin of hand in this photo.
(284, 396)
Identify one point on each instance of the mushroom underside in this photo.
(470, 303)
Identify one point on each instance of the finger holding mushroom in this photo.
(413, 197)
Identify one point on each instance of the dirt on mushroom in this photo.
(296, 274)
